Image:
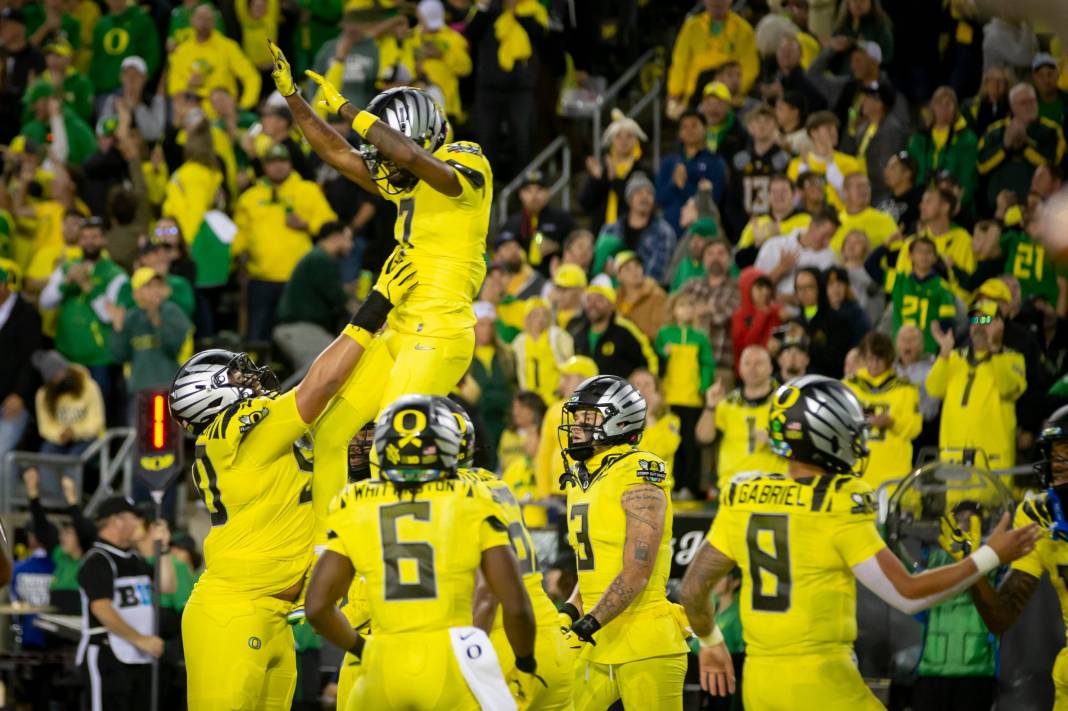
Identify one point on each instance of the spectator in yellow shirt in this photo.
(275, 220)
(860, 215)
(979, 386)
(822, 127)
(440, 54)
(259, 23)
(707, 40)
(209, 59)
(662, 429)
(548, 464)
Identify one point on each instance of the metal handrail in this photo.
(653, 95)
(100, 449)
(561, 185)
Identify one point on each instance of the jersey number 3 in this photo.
(418, 554)
(762, 563)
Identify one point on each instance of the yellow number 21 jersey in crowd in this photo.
(445, 238)
(256, 483)
(418, 551)
(795, 542)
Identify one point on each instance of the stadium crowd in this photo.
(854, 192)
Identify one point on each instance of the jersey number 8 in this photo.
(776, 564)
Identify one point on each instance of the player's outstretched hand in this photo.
(1013, 544)
(332, 98)
(717, 670)
(398, 277)
(282, 74)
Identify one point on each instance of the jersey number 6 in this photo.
(394, 551)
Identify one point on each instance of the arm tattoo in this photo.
(1000, 609)
(706, 569)
(321, 137)
(645, 506)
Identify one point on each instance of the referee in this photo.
(115, 583)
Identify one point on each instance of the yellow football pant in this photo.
(827, 682)
(1060, 681)
(417, 670)
(395, 364)
(653, 684)
(238, 654)
(346, 679)
(556, 665)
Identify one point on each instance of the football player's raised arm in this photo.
(325, 141)
(330, 580)
(706, 569)
(501, 570)
(405, 153)
(644, 506)
(884, 574)
(333, 366)
(1002, 607)
(329, 145)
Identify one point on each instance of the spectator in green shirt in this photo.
(125, 31)
(314, 301)
(74, 88)
(150, 335)
(56, 125)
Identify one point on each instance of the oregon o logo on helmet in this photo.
(254, 643)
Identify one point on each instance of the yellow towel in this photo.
(512, 38)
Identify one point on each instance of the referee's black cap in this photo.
(115, 505)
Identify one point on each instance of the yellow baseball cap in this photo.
(532, 303)
(604, 290)
(994, 289)
(570, 276)
(717, 89)
(623, 257)
(142, 276)
(579, 365)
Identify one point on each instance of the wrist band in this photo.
(363, 122)
(527, 665)
(356, 649)
(712, 638)
(358, 334)
(985, 559)
(571, 611)
(372, 314)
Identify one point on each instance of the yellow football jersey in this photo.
(738, 420)
(795, 543)
(445, 237)
(891, 448)
(523, 545)
(1048, 556)
(596, 530)
(255, 480)
(417, 549)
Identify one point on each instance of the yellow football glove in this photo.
(956, 541)
(332, 98)
(398, 277)
(282, 74)
(524, 687)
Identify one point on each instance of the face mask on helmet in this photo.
(360, 453)
(581, 431)
(391, 179)
(242, 372)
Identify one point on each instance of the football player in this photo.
(443, 193)
(1001, 608)
(619, 525)
(800, 540)
(253, 474)
(554, 649)
(417, 535)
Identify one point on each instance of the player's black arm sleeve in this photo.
(405, 153)
(43, 529)
(83, 527)
(1002, 607)
(501, 570)
(329, 582)
(705, 570)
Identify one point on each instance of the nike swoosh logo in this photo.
(420, 347)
